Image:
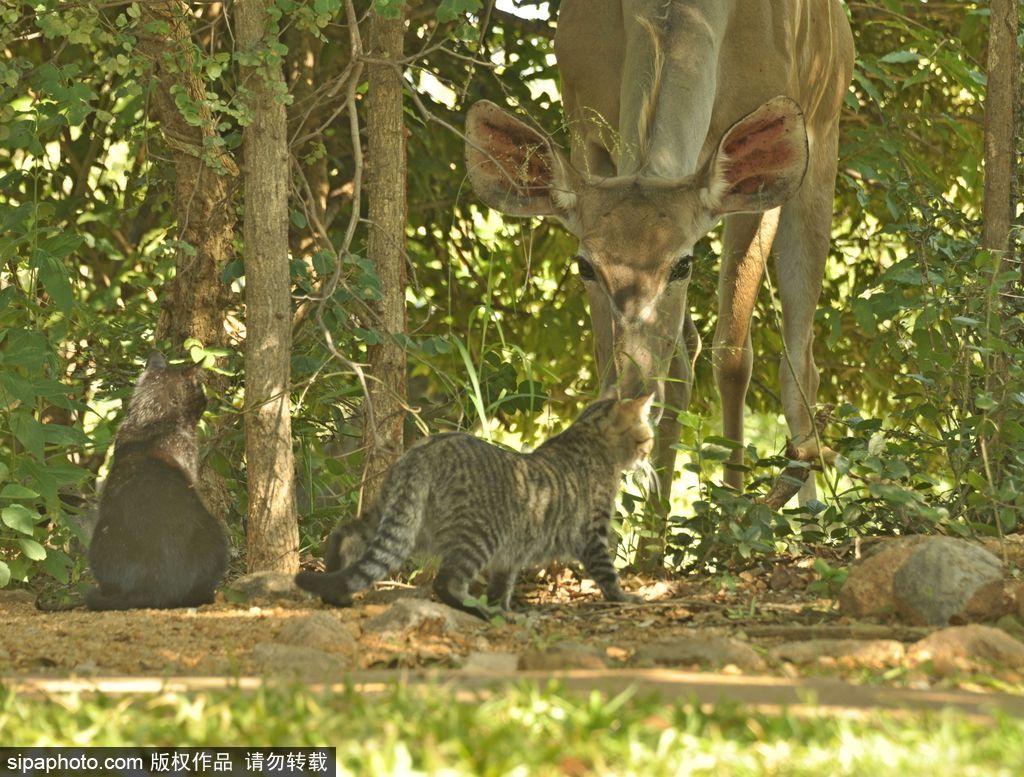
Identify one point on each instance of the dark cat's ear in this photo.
(197, 373)
(156, 361)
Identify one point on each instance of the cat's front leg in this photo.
(598, 562)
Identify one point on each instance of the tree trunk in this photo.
(193, 303)
(273, 532)
(1000, 118)
(386, 169)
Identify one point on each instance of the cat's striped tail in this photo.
(402, 513)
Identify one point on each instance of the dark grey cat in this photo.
(156, 544)
(479, 506)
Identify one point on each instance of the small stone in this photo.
(321, 631)
(561, 657)
(487, 663)
(1013, 544)
(873, 653)
(967, 648)
(699, 648)
(12, 596)
(407, 615)
(945, 579)
(262, 586)
(868, 587)
(305, 663)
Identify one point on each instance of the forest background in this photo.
(129, 221)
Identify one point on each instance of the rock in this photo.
(262, 586)
(320, 631)
(946, 578)
(405, 615)
(11, 596)
(1012, 543)
(873, 653)
(560, 657)
(967, 648)
(783, 578)
(486, 663)
(305, 663)
(699, 648)
(868, 588)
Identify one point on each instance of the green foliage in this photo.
(919, 346)
(830, 580)
(527, 729)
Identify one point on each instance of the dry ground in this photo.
(761, 608)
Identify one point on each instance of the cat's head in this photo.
(166, 394)
(625, 427)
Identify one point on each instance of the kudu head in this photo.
(637, 233)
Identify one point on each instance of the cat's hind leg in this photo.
(452, 582)
(500, 584)
(331, 587)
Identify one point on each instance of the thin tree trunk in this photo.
(1000, 118)
(386, 166)
(193, 303)
(1000, 205)
(273, 532)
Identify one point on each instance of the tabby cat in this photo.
(156, 544)
(479, 506)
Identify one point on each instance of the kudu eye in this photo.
(585, 269)
(681, 269)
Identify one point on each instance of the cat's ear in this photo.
(646, 403)
(640, 406)
(609, 392)
(156, 361)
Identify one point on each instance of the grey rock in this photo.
(699, 648)
(875, 653)
(486, 663)
(320, 631)
(562, 656)
(11, 596)
(940, 578)
(305, 663)
(868, 588)
(967, 648)
(406, 615)
(263, 586)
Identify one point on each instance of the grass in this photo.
(524, 731)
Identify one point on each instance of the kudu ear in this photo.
(761, 160)
(513, 168)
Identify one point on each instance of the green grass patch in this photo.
(524, 730)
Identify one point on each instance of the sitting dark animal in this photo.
(156, 545)
(483, 507)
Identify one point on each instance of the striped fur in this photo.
(480, 507)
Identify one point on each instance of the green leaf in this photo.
(900, 57)
(19, 518)
(17, 491)
(388, 9)
(450, 10)
(32, 549)
(5, 574)
(55, 279)
(29, 432)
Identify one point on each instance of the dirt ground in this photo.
(761, 608)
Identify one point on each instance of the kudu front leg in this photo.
(746, 243)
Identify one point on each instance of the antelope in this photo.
(682, 113)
